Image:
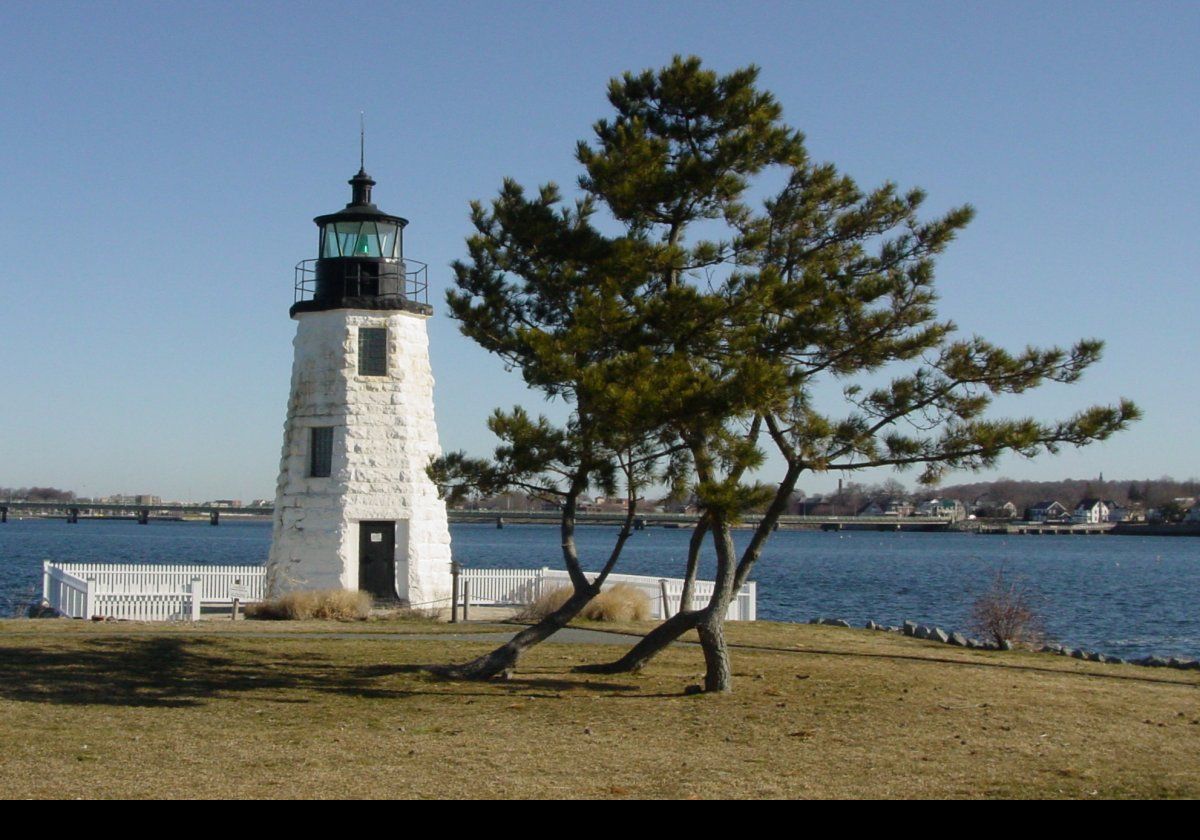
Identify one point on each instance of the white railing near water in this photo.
(162, 593)
(65, 592)
(143, 592)
(523, 586)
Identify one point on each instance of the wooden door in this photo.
(377, 559)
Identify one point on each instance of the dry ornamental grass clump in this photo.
(618, 603)
(544, 604)
(320, 604)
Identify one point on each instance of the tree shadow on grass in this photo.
(524, 679)
(187, 672)
(159, 672)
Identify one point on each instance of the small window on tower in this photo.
(321, 452)
(372, 351)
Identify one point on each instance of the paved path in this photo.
(567, 636)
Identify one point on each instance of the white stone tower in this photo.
(354, 507)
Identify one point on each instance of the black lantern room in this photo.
(361, 263)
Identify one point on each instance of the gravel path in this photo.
(568, 635)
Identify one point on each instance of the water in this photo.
(1126, 596)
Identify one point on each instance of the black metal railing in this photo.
(336, 279)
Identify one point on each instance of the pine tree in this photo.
(697, 353)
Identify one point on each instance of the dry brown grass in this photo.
(228, 710)
(621, 602)
(318, 604)
(408, 615)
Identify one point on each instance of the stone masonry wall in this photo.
(384, 436)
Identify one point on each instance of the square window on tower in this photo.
(372, 351)
(320, 452)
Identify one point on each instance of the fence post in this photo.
(467, 599)
(197, 586)
(454, 573)
(46, 581)
(89, 599)
(666, 604)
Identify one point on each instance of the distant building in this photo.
(951, 509)
(1092, 511)
(1120, 513)
(1046, 510)
(991, 507)
(887, 507)
(144, 500)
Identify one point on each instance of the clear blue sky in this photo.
(160, 164)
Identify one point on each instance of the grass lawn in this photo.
(289, 710)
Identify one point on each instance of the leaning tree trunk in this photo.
(503, 660)
(661, 637)
(651, 645)
(709, 622)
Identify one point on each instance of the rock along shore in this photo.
(937, 634)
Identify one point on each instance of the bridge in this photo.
(75, 510)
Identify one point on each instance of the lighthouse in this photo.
(354, 506)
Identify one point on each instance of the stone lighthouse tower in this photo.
(354, 507)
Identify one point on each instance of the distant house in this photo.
(991, 507)
(601, 504)
(1193, 514)
(886, 507)
(1046, 510)
(1092, 511)
(1120, 513)
(951, 509)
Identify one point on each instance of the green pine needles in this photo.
(692, 340)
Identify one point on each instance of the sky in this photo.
(160, 164)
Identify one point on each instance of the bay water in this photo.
(1124, 596)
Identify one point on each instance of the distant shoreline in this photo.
(1122, 529)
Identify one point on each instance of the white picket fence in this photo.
(523, 586)
(143, 592)
(164, 593)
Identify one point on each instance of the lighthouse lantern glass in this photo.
(359, 239)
